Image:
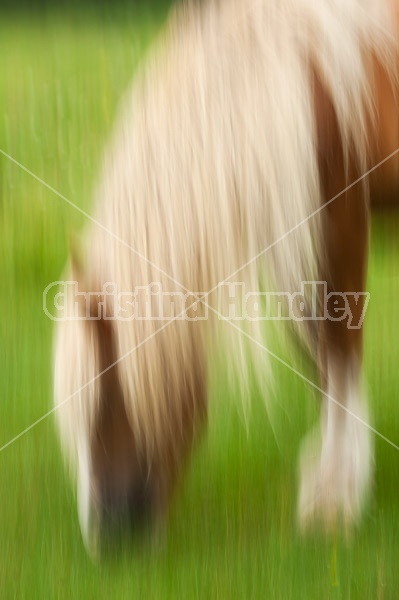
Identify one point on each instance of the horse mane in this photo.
(215, 158)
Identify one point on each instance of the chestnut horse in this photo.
(249, 141)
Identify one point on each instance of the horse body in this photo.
(243, 126)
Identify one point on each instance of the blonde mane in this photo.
(214, 159)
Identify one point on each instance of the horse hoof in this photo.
(333, 486)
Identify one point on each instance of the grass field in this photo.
(232, 531)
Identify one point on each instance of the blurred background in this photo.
(232, 532)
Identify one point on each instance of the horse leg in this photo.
(335, 473)
(335, 470)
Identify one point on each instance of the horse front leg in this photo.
(336, 462)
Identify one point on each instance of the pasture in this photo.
(232, 531)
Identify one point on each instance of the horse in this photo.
(248, 144)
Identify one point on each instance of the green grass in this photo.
(232, 531)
